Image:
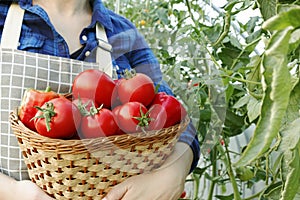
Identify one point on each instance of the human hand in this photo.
(165, 183)
(27, 190)
(10, 189)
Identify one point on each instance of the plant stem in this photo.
(231, 175)
(235, 61)
(240, 79)
(227, 22)
(214, 173)
(196, 22)
(253, 196)
(196, 185)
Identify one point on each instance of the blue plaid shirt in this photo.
(130, 49)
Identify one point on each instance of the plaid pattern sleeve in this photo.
(21, 70)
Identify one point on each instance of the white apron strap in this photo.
(12, 27)
(12, 30)
(103, 56)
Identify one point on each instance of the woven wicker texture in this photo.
(88, 168)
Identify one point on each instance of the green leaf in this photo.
(271, 192)
(290, 146)
(242, 101)
(283, 20)
(267, 8)
(199, 171)
(277, 87)
(295, 40)
(234, 123)
(244, 173)
(292, 182)
(229, 91)
(253, 109)
(254, 75)
(292, 112)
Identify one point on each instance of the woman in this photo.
(67, 29)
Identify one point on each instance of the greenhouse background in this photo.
(235, 66)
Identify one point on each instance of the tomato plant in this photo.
(243, 75)
(57, 118)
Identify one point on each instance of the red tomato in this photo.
(94, 84)
(58, 118)
(132, 117)
(75, 137)
(115, 112)
(158, 117)
(183, 194)
(31, 99)
(138, 87)
(98, 124)
(115, 97)
(174, 110)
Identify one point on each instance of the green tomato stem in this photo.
(48, 113)
(48, 89)
(214, 173)
(128, 74)
(231, 175)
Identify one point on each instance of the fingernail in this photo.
(104, 198)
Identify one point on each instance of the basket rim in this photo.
(91, 144)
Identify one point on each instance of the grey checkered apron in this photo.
(21, 70)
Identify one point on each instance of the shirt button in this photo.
(87, 53)
(84, 38)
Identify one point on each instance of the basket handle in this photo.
(12, 31)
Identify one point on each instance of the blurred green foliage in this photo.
(231, 74)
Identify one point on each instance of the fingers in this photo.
(116, 193)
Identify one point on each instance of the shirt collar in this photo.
(100, 13)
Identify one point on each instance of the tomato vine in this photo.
(232, 76)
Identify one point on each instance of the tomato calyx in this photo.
(83, 107)
(94, 110)
(48, 113)
(143, 120)
(128, 74)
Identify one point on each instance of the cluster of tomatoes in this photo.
(100, 106)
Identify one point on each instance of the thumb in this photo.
(116, 193)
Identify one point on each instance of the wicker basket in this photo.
(88, 168)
